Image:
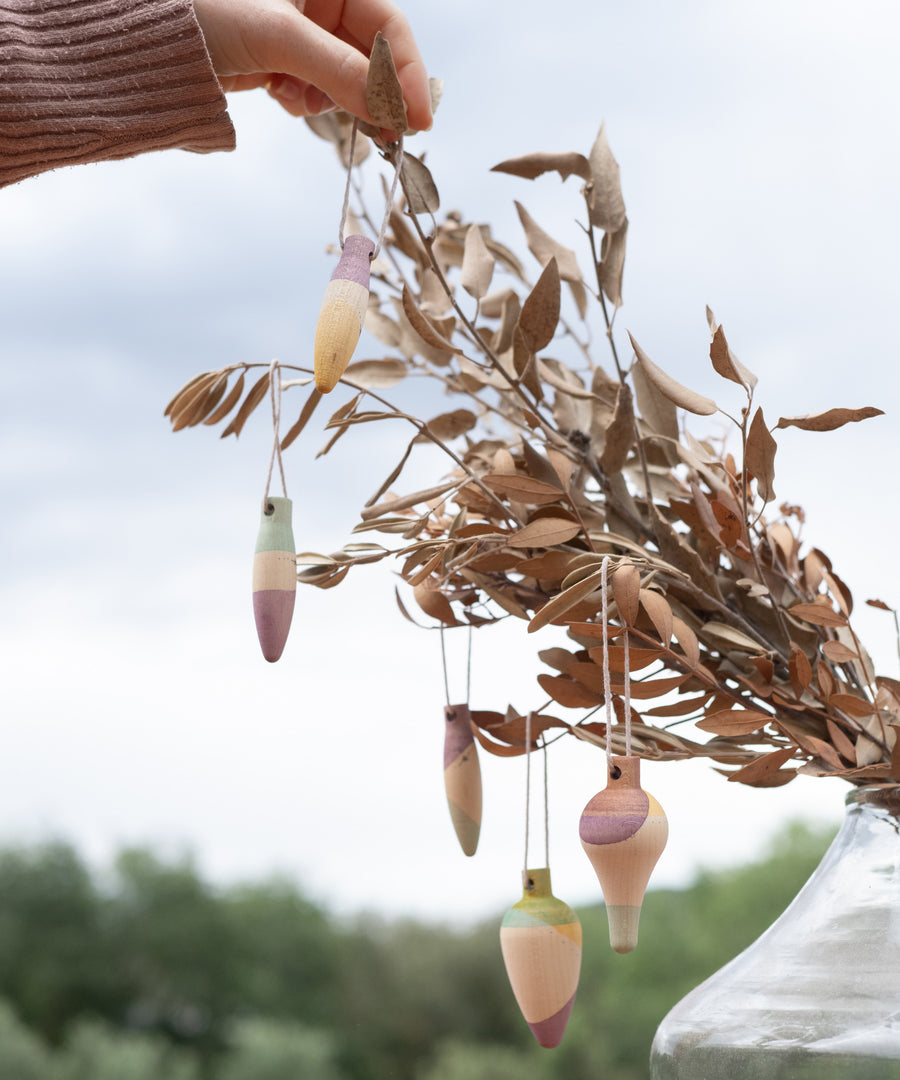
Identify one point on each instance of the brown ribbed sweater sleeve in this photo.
(92, 80)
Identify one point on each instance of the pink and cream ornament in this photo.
(623, 831)
(274, 577)
(462, 776)
(342, 313)
(540, 938)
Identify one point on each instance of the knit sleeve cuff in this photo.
(94, 80)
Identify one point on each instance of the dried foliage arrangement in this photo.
(740, 636)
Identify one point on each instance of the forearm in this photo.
(93, 80)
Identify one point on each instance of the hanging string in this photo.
(345, 209)
(444, 666)
(274, 375)
(626, 665)
(546, 804)
(526, 880)
(607, 691)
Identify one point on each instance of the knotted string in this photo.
(607, 691)
(274, 376)
(345, 209)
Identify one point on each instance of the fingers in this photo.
(299, 46)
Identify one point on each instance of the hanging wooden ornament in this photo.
(343, 312)
(462, 776)
(623, 830)
(540, 938)
(274, 577)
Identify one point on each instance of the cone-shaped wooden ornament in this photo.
(623, 830)
(540, 938)
(274, 577)
(462, 776)
(342, 313)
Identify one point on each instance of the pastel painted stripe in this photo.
(274, 578)
(458, 735)
(602, 825)
(342, 313)
(549, 1032)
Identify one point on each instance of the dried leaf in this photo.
(726, 363)
(435, 604)
(257, 393)
(759, 456)
(722, 632)
(450, 425)
(734, 722)
(570, 694)
(423, 325)
(539, 316)
(839, 653)
(819, 614)
(626, 587)
(384, 95)
(564, 601)
(309, 407)
(605, 203)
(419, 186)
(763, 767)
(619, 434)
(679, 395)
(530, 166)
(404, 502)
(545, 532)
(523, 489)
(544, 247)
(376, 374)
(851, 705)
(231, 399)
(558, 658)
(657, 607)
(478, 264)
(612, 264)
(829, 420)
(800, 670)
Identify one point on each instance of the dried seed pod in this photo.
(462, 776)
(342, 313)
(274, 577)
(540, 938)
(623, 831)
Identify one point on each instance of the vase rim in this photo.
(886, 796)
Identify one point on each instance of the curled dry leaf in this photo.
(477, 265)
(539, 316)
(419, 186)
(759, 457)
(605, 202)
(531, 166)
(829, 420)
(384, 95)
(544, 248)
(679, 395)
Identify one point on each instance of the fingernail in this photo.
(286, 89)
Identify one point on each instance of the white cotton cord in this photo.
(345, 209)
(274, 374)
(604, 622)
(546, 806)
(525, 878)
(444, 666)
(398, 167)
(627, 667)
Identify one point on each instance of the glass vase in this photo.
(817, 997)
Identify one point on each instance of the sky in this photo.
(758, 149)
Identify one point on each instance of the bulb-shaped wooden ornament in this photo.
(462, 776)
(623, 831)
(342, 313)
(274, 577)
(540, 938)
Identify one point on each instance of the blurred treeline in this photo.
(151, 973)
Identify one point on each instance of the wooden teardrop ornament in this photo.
(342, 313)
(540, 938)
(462, 776)
(623, 831)
(274, 577)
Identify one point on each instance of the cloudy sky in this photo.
(758, 147)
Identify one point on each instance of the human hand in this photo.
(313, 55)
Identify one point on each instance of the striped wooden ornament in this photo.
(342, 313)
(274, 577)
(462, 776)
(623, 831)
(540, 938)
